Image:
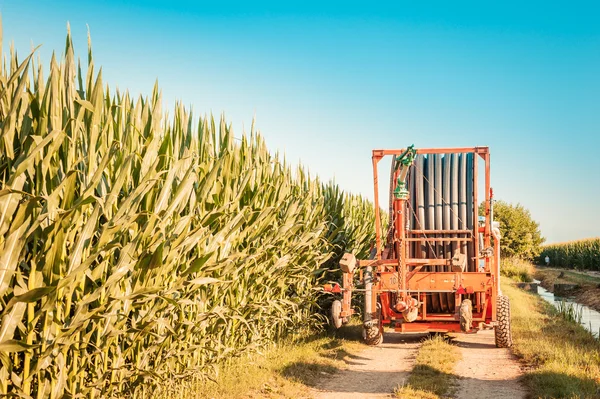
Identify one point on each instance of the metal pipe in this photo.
(368, 276)
(447, 231)
(496, 234)
(377, 216)
(459, 239)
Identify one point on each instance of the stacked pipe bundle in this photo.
(441, 198)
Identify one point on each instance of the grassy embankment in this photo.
(588, 292)
(562, 358)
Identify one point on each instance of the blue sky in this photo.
(329, 82)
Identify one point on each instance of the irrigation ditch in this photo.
(566, 305)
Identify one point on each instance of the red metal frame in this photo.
(403, 276)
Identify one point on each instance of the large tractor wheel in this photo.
(502, 329)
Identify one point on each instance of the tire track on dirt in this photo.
(485, 371)
(374, 372)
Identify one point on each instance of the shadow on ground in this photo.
(366, 382)
(311, 373)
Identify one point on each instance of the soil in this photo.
(375, 372)
(485, 371)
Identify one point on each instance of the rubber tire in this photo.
(502, 330)
(336, 310)
(373, 336)
(466, 315)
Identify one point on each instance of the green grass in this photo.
(570, 311)
(517, 269)
(432, 377)
(562, 358)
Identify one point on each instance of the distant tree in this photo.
(520, 234)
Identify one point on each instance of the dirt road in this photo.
(486, 371)
(375, 372)
(483, 372)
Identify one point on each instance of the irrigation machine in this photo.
(436, 268)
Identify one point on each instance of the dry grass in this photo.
(432, 377)
(563, 357)
(284, 371)
(408, 392)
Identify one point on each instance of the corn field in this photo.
(582, 254)
(138, 250)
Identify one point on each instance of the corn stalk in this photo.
(136, 250)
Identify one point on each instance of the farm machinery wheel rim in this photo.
(502, 330)
(336, 311)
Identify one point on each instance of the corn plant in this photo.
(138, 250)
(582, 254)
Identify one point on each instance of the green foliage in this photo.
(563, 357)
(581, 254)
(520, 234)
(432, 377)
(517, 269)
(136, 250)
(570, 311)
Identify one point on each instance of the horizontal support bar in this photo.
(453, 239)
(427, 262)
(440, 231)
(450, 281)
(475, 150)
(380, 262)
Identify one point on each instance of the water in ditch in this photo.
(590, 318)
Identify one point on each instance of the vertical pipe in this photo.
(453, 196)
(439, 247)
(420, 189)
(412, 214)
(446, 203)
(368, 277)
(402, 254)
(470, 206)
(488, 215)
(475, 212)
(462, 201)
(377, 215)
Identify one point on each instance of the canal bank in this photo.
(561, 359)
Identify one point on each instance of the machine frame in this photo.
(404, 277)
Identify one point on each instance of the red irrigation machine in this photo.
(437, 267)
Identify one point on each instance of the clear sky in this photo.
(329, 82)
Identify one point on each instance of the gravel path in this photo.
(486, 371)
(375, 372)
